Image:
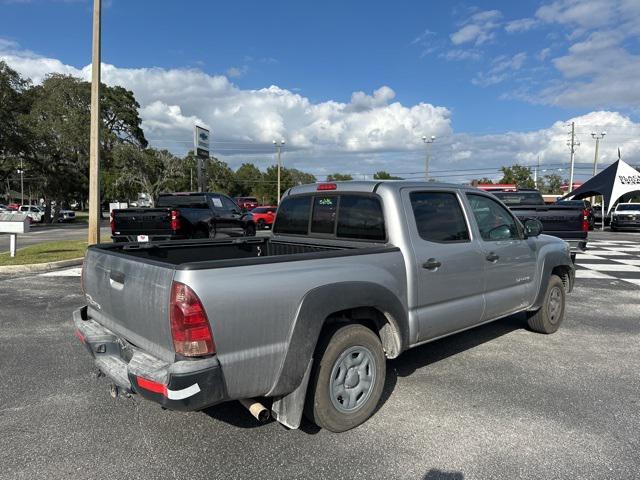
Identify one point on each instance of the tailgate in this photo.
(148, 221)
(555, 219)
(130, 297)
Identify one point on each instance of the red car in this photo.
(264, 216)
(246, 203)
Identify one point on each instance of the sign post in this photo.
(201, 147)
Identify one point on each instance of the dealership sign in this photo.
(201, 141)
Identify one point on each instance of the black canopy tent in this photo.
(613, 182)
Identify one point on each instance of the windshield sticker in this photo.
(216, 202)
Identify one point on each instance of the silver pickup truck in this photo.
(354, 273)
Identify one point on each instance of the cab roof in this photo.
(370, 186)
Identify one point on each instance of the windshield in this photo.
(628, 206)
(520, 198)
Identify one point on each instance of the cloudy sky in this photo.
(353, 86)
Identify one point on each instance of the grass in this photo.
(45, 252)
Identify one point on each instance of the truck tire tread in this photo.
(540, 321)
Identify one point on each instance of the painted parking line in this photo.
(592, 274)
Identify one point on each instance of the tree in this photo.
(521, 176)
(382, 175)
(220, 177)
(147, 171)
(339, 177)
(247, 178)
(13, 106)
(483, 180)
(550, 184)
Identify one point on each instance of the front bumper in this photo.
(625, 222)
(182, 385)
(577, 246)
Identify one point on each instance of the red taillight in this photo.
(585, 220)
(327, 186)
(112, 222)
(189, 323)
(175, 220)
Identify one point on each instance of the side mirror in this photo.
(532, 227)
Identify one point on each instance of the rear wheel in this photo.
(261, 224)
(347, 379)
(549, 317)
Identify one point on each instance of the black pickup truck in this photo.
(179, 216)
(565, 221)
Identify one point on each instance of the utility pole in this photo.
(597, 138)
(94, 143)
(279, 146)
(535, 173)
(428, 142)
(573, 143)
(21, 172)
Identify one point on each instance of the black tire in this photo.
(549, 317)
(260, 224)
(614, 229)
(339, 347)
(250, 230)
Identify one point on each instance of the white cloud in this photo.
(502, 67)
(236, 72)
(172, 100)
(543, 54)
(521, 25)
(458, 54)
(370, 132)
(479, 28)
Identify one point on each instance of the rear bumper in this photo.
(182, 385)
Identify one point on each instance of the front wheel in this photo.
(261, 224)
(348, 378)
(549, 317)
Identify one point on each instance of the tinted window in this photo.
(190, 201)
(323, 219)
(360, 217)
(520, 198)
(228, 204)
(293, 216)
(494, 221)
(439, 217)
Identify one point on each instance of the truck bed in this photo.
(199, 254)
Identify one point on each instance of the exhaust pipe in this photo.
(256, 409)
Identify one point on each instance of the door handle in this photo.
(492, 257)
(431, 264)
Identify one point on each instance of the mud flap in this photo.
(288, 409)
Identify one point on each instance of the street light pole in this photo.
(597, 138)
(428, 142)
(279, 146)
(94, 139)
(573, 143)
(21, 172)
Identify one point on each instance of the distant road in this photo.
(42, 234)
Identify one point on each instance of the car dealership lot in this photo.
(497, 401)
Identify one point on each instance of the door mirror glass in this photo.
(532, 227)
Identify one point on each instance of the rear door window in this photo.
(439, 217)
(293, 216)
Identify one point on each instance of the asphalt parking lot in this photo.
(497, 401)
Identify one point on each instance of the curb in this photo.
(41, 267)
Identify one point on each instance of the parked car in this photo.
(66, 216)
(182, 216)
(568, 222)
(3, 208)
(264, 216)
(246, 203)
(597, 212)
(585, 205)
(13, 206)
(625, 215)
(33, 212)
(357, 272)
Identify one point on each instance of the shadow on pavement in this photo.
(410, 361)
(435, 474)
